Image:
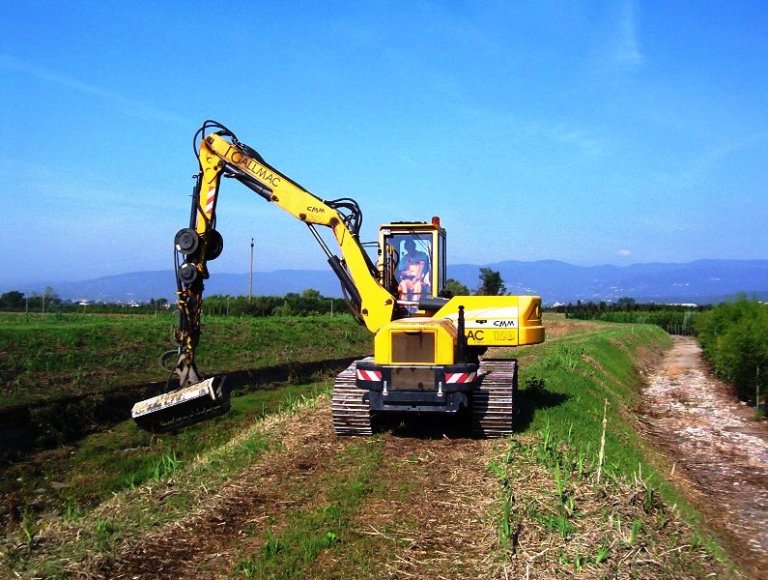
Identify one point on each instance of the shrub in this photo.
(734, 337)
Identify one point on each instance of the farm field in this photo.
(270, 491)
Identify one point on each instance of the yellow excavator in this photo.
(428, 345)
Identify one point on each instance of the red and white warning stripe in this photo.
(211, 201)
(364, 375)
(460, 377)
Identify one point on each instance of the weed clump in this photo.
(610, 528)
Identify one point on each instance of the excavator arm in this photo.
(221, 154)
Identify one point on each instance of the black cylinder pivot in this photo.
(346, 282)
(214, 244)
(188, 272)
(186, 241)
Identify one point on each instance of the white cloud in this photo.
(624, 253)
(578, 138)
(627, 52)
(127, 106)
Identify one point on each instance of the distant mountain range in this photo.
(701, 282)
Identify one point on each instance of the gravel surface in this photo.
(719, 450)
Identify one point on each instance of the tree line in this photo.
(308, 302)
(18, 301)
(734, 337)
(49, 302)
(675, 319)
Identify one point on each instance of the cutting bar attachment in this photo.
(183, 407)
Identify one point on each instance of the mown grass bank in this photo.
(52, 356)
(66, 375)
(299, 501)
(52, 544)
(71, 480)
(602, 490)
(568, 382)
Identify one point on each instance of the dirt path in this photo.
(719, 452)
(422, 487)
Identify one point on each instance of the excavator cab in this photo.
(412, 260)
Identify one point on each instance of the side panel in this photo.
(497, 320)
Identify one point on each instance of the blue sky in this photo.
(589, 132)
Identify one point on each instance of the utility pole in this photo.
(250, 281)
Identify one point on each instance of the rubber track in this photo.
(351, 415)
(494, 401)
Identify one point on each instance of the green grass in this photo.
(77, 478)
(547, 474)
(580, 375)
(46, 357)
(308, 532)
(569, 384)
(175, 483)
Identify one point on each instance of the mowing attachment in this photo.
(183, 407)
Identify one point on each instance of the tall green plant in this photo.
(734, 337)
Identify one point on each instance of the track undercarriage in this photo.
(492, 403)
(351, 414)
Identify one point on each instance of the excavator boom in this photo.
(190, 398)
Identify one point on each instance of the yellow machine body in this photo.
(489, 321)
(497, 320)
(427, 344)
(416, 341)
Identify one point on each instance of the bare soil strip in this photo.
(434, 509)
(717, 447)
(209, 542)
(429, 510)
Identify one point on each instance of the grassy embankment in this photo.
(63, 376)
(44, 357)
(603, 488)
(565, 503)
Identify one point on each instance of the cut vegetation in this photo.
(271, 491)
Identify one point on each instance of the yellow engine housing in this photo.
(488, 321)
(497, 320)
(416, 341)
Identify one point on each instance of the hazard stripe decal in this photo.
(364, 375)
(211, 201)
(454, 378)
